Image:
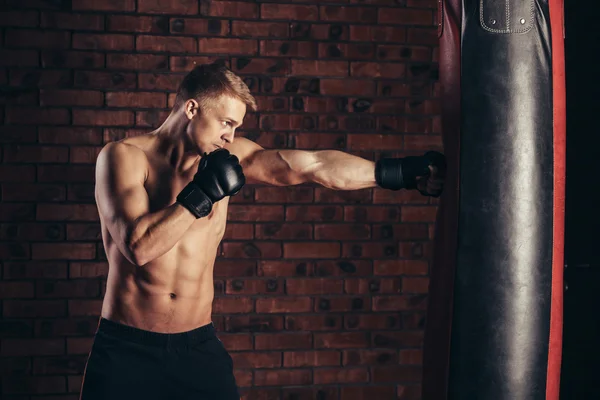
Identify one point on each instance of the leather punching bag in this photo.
(494, 327)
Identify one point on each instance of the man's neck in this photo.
(173, 144)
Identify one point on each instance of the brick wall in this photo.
(319, 294)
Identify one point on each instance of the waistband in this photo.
(132, 334)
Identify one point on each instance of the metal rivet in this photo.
(522, 21)
(493, 22)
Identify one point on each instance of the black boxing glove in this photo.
(219, 175)
(425, 173)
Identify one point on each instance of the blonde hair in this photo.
(207, 82)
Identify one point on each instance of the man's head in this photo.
(214, 100)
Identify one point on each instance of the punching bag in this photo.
(494, 324)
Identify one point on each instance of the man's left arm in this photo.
(337, 170)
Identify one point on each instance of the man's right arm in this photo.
(123, 203)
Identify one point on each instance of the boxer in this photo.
(162, 198)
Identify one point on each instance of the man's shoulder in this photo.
(243, 148)
(119, 153)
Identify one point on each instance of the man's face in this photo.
(212, 128)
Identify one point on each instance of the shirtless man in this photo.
(162, 200)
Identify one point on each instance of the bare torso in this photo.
(173, 293)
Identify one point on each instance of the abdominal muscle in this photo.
(173, 293)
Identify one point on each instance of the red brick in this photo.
(105, 80)
(70, 135)
(16, 290)
(81, 345)
(282, 341)
(33, 231)
(243, 323)
(283, 268)
(185, 64)
(289, 12)
(296, 287)
(405, 16)
(227, 46)
(18, 58)
(19, 18)
(14, 250)
(69, 251)
(283, 305)
(313, 213)
(342, 232)
(37, 38)
(233, 305)
(370, 357)
(296, 359)
(168, 82)
(50, 97)
(412, 53)
(56, 20)
(275, 48)
(313, 323)
(396, 374)
(415, 285)
(35, 270)
(32, 192)
(259, 29)
(282, 377)
(274, 66)
(320, 68)
(348, 14)
(360, 51)
(255, 213)
(136, 99)
(39, 78)
(81, 307)
(311, 250)
(29, 347)
(189, 7)
(251, 250)
(59, 365)
(342, 304)
(395, 303)
(103, 42)
(340, 340)
(102, 118)
(284, 231)
(74, 383)
(347, 87)
(257, 360)
(230, 9)
(367, 33)
(422, 36)
(341, 375)
(35, 154)
(249, 287)
(173, 44)
(151, 118)
(88, 269)
(194, 26)
(70, 289)
(16, 212)
(84, 155)
(370, 250)
(33, 385)
(137, 62)
(378, 70)
(72, 59)
(33, 309)
(371, 214)
(366, 392)
(237, 342)
(239, 232)
(136, 23)
(374, 142)
(104, 5)
(37, 116)
(423, 142)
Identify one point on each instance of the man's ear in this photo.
(191, 108)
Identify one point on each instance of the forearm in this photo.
(155, 234)
(342, 171)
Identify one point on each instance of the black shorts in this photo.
(130, 363)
